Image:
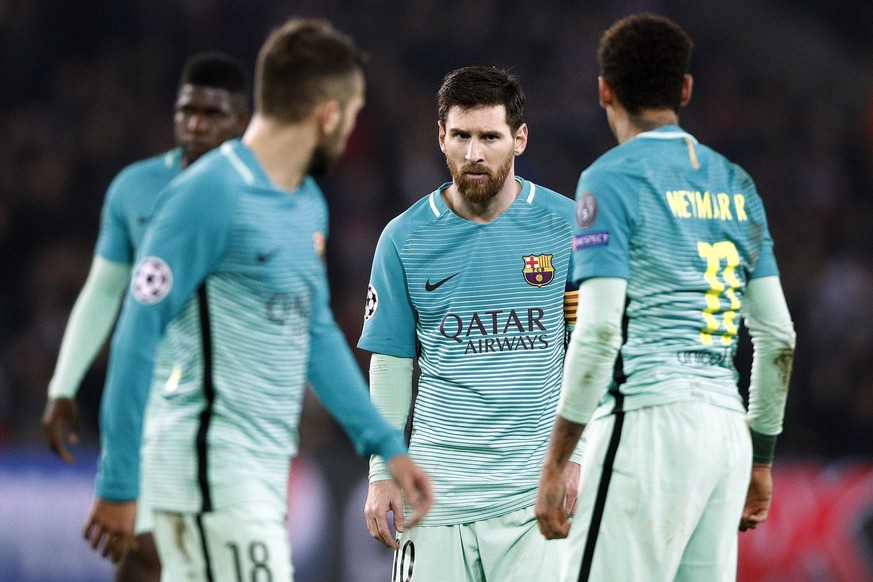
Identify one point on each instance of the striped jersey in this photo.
(688, 230)
(482, 307)
(230, 274)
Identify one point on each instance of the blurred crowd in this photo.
(89, 87)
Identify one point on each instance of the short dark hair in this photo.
(644, 58)
(301, 63)
(471, 87)
(215, 69)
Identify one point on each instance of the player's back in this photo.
(697, 233)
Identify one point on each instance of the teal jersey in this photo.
(127, 210)
(482, 307)
(688, 230)
(129, 201)
(230, 274)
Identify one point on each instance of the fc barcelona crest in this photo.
(538, 270)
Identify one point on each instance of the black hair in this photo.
(215, 69)
(645, 58)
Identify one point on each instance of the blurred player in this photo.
(230, 277)
(211, 107)
(678, 232)
(472, 281)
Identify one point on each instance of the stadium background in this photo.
(783, 88)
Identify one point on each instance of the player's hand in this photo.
(758, 498)
(382, 497)
(61, 416)
(415, 485)
(550, 508)
(109, 528)
(571, 476)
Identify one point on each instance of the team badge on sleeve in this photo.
(372, 302)
(152, 280)
(586, 210)
(538, 270)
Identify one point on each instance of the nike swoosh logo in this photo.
(264, 257)
(428, 287)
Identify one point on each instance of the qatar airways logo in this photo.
(498, 330)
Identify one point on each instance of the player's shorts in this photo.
(662, 490)
(508, 548)
(145, 520)
(244, 542)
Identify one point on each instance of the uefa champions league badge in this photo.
(538, 270)
(151, 281)
(372, 302)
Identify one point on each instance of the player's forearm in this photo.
(391, 393)
(337, 380)
(773, 340)
(122, 409)
(564, 438)
(89, 325)
(594, 344)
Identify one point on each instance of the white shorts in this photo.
(244, 542)
(145, 519)
(508, 548)
(662, 490)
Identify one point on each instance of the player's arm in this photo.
(184, 242)
(391, 393)
(588, 367)
(773, 341)
(339, 384)
(89, 325)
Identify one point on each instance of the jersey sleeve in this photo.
(185, 241)
(113, 241)
(766, 264)
(339, 384)
(389, 320)
(605, 216)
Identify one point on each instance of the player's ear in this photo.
(520, 139)
(604, 92)
(687, 85)
(328, 115)
(442, 135)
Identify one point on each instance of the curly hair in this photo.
(645, 58)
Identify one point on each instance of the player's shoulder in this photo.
(736, 173)
(217, 173)
(425, 210)
(539, 195)
(161, 166)
(546, 199)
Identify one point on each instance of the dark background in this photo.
(783, 88)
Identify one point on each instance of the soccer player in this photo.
(673, 236)
(211, 107)
(472, 282)
(230, 277)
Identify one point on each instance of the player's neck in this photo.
(483, 212)
(284, 150)
(626, 127)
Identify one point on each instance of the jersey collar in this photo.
(438, 206)
(667, 132)
(173, 159)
